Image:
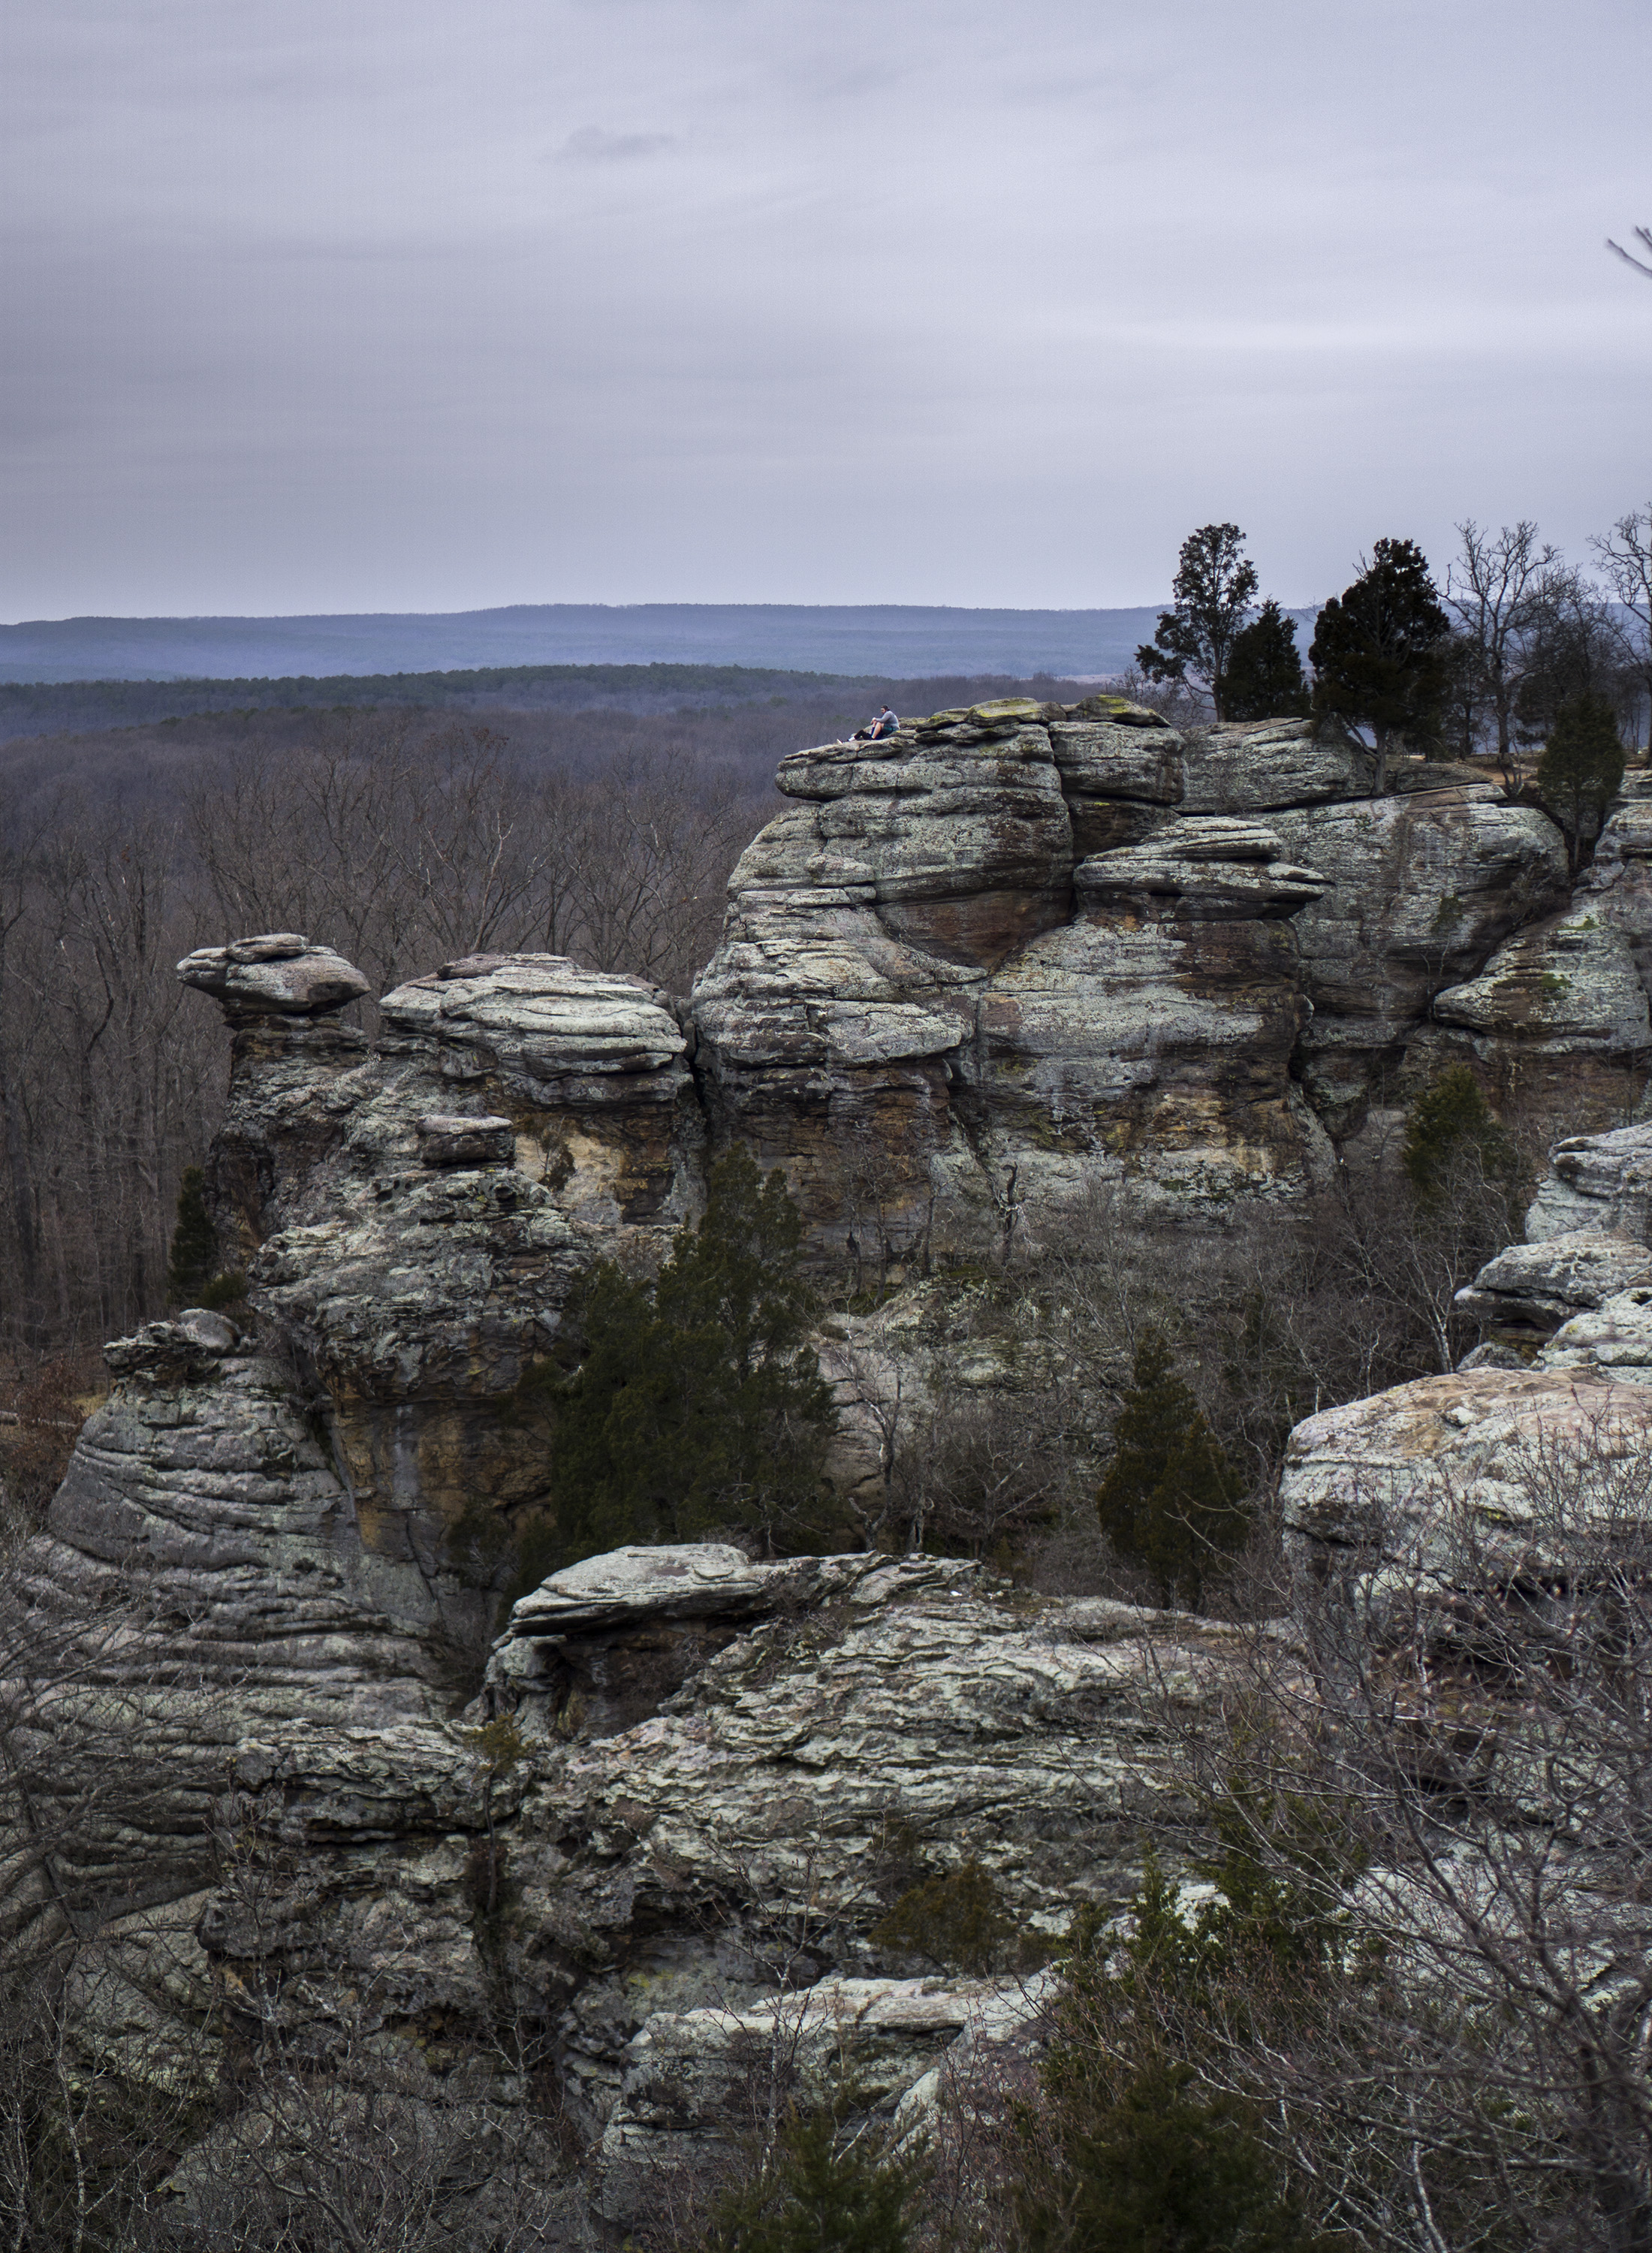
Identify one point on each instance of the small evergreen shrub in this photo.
(699, 1401)
(1452, 1136)
(1170, 1500)
(193, 1261)
(819, 2191)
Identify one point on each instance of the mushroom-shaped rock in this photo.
(189, 1343)
(281, 973)
(1528, 1291)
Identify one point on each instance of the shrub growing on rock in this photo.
(698, 1402)
(818, 2192)
(1264, 679)
(1170, 1501)
(1450, 1134)
(1379, 651)
(1581, 769)
(194, 1253)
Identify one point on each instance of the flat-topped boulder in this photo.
(1596, 1181)
(623, 1587)
(281, 973)
(544, 1024)
(1481, 1456)
(1530, 1289)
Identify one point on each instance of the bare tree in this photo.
(1498, 591)
(1441, 1788)
(1625, 557)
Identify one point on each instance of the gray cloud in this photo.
(592, 144)
(935, 304)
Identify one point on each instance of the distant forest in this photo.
(405, 833)
(50, 708)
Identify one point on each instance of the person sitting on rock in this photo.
(874, 730)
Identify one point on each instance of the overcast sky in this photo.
(428, 304)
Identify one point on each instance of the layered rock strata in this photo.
(413, 1213)
(713, 1779)
(1553, 1426)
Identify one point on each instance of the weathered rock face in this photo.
(1481, 1454)
(723, 1775)
(990, 955)
(1422, 886)
(1588, 1244)
(206, 1605)
(415, 1214)
(1528, 1291)
(1596, 1181)
(1545, 1427)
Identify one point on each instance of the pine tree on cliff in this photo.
(1215, 587)
(194, 1253)
(699, 1401)
(1264, 679)
(1380, 652)
(819, 2191)
(1580, 770)
(1170, 1501)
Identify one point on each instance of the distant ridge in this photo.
(886, 641)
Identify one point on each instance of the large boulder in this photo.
(281, 973)
(1489, 1462)
(1530, 1289)
(1422, 888)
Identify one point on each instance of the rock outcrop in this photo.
(413, 1213)
(692, 1790)
(1549, 1428)
(1007, 955)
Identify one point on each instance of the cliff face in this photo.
(972, 971)
(999, 959)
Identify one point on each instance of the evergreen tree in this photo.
(1581, 768)
(194, 1255)
(818, 2194)
(699, 1401)
(1170, 1501)
(1160, 2170)
(1380, 652)
(1264, 679)
(1453, 1140)
(1214, 588)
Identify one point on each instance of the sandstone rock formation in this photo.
(717, 1777)
(1513, 1441)
(413, 1214)
(1006, 955)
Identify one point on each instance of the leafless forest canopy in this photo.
(404, 838)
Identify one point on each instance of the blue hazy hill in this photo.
(887, 641)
